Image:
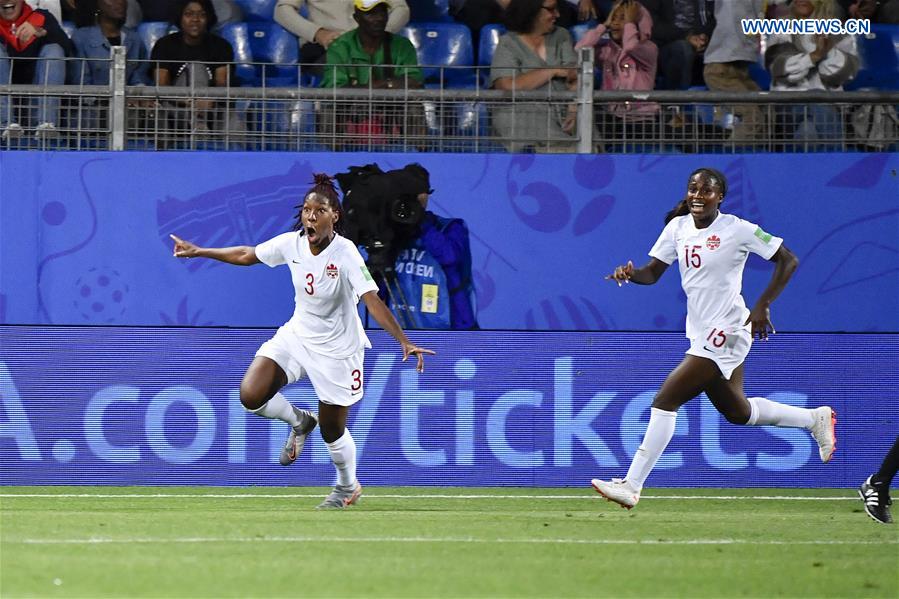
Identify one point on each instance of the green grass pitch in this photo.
(441, 542)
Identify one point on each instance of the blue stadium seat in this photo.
(257, 10)
(759, 74)
(238, 36)
(278, 49)
(151, 31)
(578, 31)
(68, 27)
(489, 40)
(429, 11)
(879, 55)
(443, 45)
(293, 122)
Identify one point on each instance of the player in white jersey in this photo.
(711, 249)
(324, 340)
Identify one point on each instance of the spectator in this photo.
(193, 57)
(93, 44)
(84, 12)
(36, 37)
(879, 11)
(628, 59)
(811, 62)
(327, 20)
(371, 57)
(535, 55)
(225, 11)
(727, 60)
(681, 29)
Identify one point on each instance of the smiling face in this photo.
(802, 9)
(10, 9)
(319, 218)
(704, 195)
(546, 18)
(616, 23)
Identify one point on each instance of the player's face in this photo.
(318, 220)
(703, 196)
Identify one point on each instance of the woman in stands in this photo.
(711, 249)
(324, 339)
(535, 55)
(196, 58)
(628, 60)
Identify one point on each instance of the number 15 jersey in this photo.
(711, 262)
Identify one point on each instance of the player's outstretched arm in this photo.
(241, 255)
(645, 275)
(785, 263)
(385, 318)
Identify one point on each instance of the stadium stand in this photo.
(443, 45)
(276, 52)
(257, 10)
(429, 11)
(879, 54)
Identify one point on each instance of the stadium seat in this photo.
(578, 31)
(278, 49)
(68, 27)
(257, 10)
(879, 53)
(443, 45)
(151, 32)
(238, 36)
(489, 40)
(429, 11)
(281, 125)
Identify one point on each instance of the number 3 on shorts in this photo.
(357, 380)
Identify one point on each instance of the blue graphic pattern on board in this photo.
(84, 236)
(123, 406)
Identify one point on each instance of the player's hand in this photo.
(760, 317)
(622, 274)
(410, 349)
(184, 249)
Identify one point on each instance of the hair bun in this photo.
(322, 179)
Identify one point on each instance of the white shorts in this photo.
(337, 381)
(727, 349)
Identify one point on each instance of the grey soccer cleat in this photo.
(341, 498)
(297, 437)
(824, 432)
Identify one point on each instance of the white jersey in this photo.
(711, 262)
(328, 288)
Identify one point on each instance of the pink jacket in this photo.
(630, 66)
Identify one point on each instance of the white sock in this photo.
(278, 408)
(766, 412)
(343, 454)
(658, 434)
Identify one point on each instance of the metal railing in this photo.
(299, 118)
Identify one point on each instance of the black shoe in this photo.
(877, 501)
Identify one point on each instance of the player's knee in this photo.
(252, 396)
(330, 432)
(736, 415)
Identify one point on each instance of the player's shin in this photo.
(658, 434)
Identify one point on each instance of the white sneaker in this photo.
(618, 490)
(824, 432)
(13, 131)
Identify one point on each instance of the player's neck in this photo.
(704, 223)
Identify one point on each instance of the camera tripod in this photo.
(395, 296)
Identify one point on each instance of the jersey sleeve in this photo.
(357, 272)
(274, 251)
(757, 241)
(664, 248)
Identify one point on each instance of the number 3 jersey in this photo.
(327, 290)
(711, 262)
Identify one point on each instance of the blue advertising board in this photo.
(159, 406)
(84, 237)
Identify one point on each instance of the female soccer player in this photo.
(324, 339)
(711, 249)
